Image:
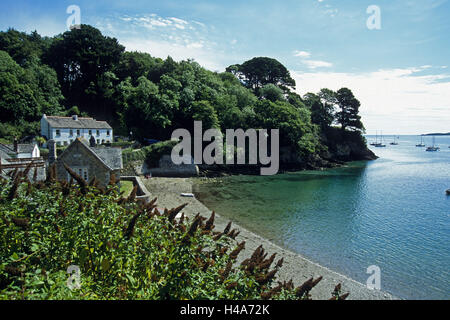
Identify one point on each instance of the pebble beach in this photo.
(295, 267)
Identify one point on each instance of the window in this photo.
(98, 141)
(98, 132)
(81, 171)
(103, 141)
(78, 132)
(65, 143)
(58, 133)
(90, 132)
(71, 132)
(107, 132)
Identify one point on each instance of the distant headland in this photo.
(437, 134)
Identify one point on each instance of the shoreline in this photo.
(295, 267)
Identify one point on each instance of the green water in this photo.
(392, 212)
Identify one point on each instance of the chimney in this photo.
(16, 145)
(51, 151)
(75, 117)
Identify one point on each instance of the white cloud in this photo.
(311, 64)
(397, 101)
(302, 54)
(314, 64)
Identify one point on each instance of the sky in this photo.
(400, 71)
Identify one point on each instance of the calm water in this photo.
(392, 212)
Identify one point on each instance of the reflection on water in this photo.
(392, 212)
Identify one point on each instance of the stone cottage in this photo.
(87, 160)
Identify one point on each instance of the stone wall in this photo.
(142, 192)
(166, 169)
(80, 157)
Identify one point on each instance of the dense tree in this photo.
(294, 124)
(81, 57)
(348, 115)
(321, 111)
(257, 72)
(204, 112)
(26, 93)
(271, 92)
(134, 65)
(151, 97)
(21, 46)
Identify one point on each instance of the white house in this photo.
(64, 130)
(19, 151)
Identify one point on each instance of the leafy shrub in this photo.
(124, 249)
(150, 154)
(122, 144)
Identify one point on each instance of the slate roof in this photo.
(111, 157)
(5, 150)
(4, 155)
(23, 148)
(81, 123)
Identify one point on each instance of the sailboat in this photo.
(433, 148)
(395, 143)
(381, 145)
(376, 141)
(421, 144)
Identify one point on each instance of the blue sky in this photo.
(400, 72)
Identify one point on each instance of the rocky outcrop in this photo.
(346, 146)
(351, 151)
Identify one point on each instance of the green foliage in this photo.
(126, 187)
(124, 249)
(294, 124)
(203, 111)
(348, 115)
(82, 59)
(272, 92)
(260, 71)
(27, 92)
(151, 97)
(151, 154)
(322, 112)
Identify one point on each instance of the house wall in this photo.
(25, 155)
(77, 157)
(67, 136)
(44, 128)
(36, 152)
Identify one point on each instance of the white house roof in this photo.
(79, 123)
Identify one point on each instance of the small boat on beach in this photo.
(448, 191)
(187, 195)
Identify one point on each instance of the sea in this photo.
(392, 213)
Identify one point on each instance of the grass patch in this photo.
(126, 187)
